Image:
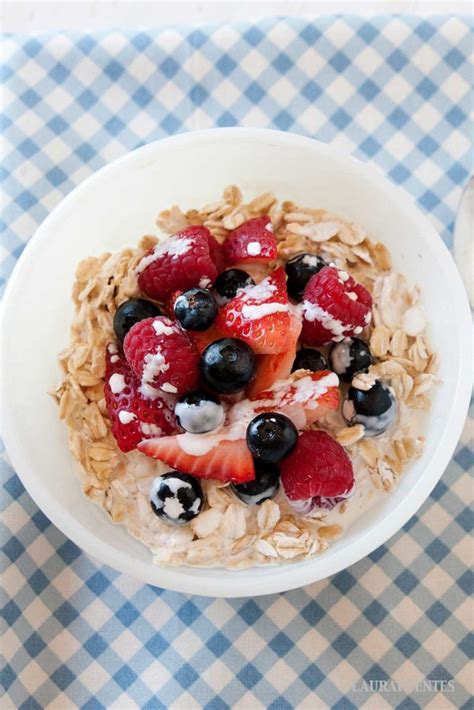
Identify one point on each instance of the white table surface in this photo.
(43, 15)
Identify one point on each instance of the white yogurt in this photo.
(173, 246)
(155, 364)
(263, 309)
(341, 357)
(161, 327)
(126, 417)
(168, 387)
(117, 383)
(254, 248)
(310, 260)
(150, 429)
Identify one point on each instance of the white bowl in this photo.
(112, 209)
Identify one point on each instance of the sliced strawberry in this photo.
(271, 368)
(223, 454)
(253, 241)
(304, 397)
(224, 461)
(259, 315)
(134, 417)
(204, 338)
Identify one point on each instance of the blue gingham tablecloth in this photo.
(391, 631)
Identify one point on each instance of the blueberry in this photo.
(271, 436)
(309, 359)
(350, 356)
(196, 309)
(375, 408)
(131, 312)
(299, 270)
(265, 485)
(198, 412)
(229, 282)
(227, 365)
(176, 497)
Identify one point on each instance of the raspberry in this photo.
(334, 307)
(318, 467)
(162, 356)
(133, 417)
(189, 258)
(253, 241)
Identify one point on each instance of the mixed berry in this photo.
(196, 309)
(310, 359)
(132, 312)
(299, 269)
(374, 408)
(199, 412)
(219, 374)
(264, 486)
(227, 365)
(176, 497)
(229, 282)
(349, 357)
(271, 437)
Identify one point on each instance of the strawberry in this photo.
(224, 461)
(318, 468)
(162, 355)
(259, 315)
(132, 416)
(253, 241)
(223, 454)
(305, 397)
(271, 368)
(204, 338)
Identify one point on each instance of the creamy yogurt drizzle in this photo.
(310, 260)
(150, 429)
(117, 383)
(341, 357)
(259, 293)
(161, 327)
(263, 309)
(313, 312)
(155, 364)
(239, 415)
(126, 417)
(168, 387)
(173, 246)
(209, 411)
(254, 248)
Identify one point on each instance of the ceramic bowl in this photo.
(117, 205)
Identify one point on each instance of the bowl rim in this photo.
(283, 577)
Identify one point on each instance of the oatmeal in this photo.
(277, 420)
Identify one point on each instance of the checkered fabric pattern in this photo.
(396, 92)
